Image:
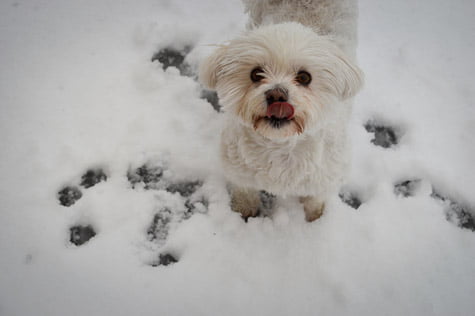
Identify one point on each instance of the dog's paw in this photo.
(384, 136)
(247, 202)
(313, 208)
(456, 213)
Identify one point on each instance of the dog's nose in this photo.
(277, 94)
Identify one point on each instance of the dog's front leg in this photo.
(313, 207)
(245, 201)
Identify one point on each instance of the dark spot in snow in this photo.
(69, 195)
(158, 229)
(192, 207)
(93, 177)
(171, 57)
(384, 136)
(455, 212)
(148, 175)
(212, 98)
(164, 260)
(267, 200)
(81, 234)
(350, 198)
(407, 188)
(185, 188)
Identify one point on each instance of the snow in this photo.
(78, 92)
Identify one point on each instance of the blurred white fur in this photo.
(307, 156)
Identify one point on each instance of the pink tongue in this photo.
(280, 110)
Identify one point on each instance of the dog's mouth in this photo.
(279, 121)
(279, 114)
(276, 122)
(280, 110)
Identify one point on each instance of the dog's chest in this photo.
(293, 168)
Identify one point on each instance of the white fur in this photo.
(307, 157)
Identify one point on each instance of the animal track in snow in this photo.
(67, 196)
(212, 98)
(93, 177)
(153, 177)
(351, 198)
(407, 188)
(172, 57)
(456, 212)
(70, 194)
(164, 259)
(81, 234)
(384, 136)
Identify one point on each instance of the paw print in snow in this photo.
(456, 212)
(173, 57)
(350, 198)
(384, 136)
(69, 195)
(152, 177)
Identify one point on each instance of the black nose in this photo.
(277, 94)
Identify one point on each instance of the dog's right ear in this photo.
(210, 68)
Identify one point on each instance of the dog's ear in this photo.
(210, 67)
(347, 79)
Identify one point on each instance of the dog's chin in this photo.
(275, 129)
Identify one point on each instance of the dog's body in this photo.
(286, 88)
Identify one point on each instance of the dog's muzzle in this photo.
(280, 111)
(277, 106)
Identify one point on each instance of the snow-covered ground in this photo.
(78, 92)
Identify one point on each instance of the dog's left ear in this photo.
(347, 79)
(210, 68)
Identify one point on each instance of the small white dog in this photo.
(286, 87)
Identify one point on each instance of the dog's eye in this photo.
(304, 78)
(256, 74)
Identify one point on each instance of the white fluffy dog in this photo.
(286, 87)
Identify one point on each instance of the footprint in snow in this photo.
(69, 195)
(150, 176)
(173, 57)
(351, 198)
(456, 212)
(384, 135)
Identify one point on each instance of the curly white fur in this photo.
(335, 18)
(308, 155)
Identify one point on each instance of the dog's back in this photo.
(334, 18)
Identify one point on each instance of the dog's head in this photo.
(281, 79)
